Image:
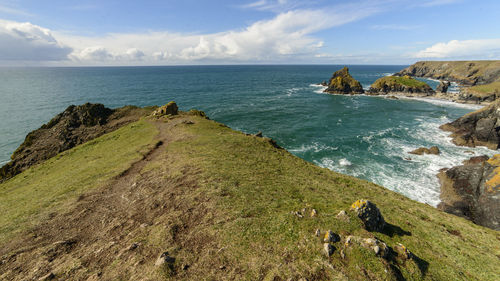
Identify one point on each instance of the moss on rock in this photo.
(343, 83)
(404, 84)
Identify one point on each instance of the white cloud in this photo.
(29, 42)
(274, 5)
(287, 35)
(467, 49)
(395, 27)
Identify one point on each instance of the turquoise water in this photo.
(367, 137)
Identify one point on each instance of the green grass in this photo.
(407, 81)
(234, 211)
(486, 89)
(31, 195)
(254, 187)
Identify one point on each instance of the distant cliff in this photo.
(467, 73)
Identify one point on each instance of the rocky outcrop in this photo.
(343, 83)
(443, 87)
(424, 150)
(466, 73)
(402, 85)
(167, 109)
(369, 214)
(74, 126)
(478, 128)
(473, 191)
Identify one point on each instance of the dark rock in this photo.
(443, 87)
(259, 134)
(369, 214)
(343, 83)
(164, 258)
(477, 128)
(476, 160)
(328, 249)
(473, 191)
(423, 150)
(74, 126)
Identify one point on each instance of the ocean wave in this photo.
(344, 162)
(314, 147)
(320, 88)
(444, 102)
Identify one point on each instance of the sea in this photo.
(363, 136)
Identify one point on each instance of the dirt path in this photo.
(103, 225)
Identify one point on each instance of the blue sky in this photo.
(246, 32)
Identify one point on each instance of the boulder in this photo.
(328, 249)
(476, 160)
(443, 87)
(423, 150)
(168, 109)
(402, 252)
(369, 214)
(478, 128)
(331, 237)
(378, 247)
(473, 191)
(343, 83)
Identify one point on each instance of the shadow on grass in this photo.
(391, 230)
(423, 265)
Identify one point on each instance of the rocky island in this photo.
(174, 195)
(343, 83)
(404, 85)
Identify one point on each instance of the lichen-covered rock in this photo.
(342, 215)
(402, 252)
(378, 247)
(401, 85)
(331, 237)
(168, 109)
(343, 83)
(328, 249)
(473, 191)
(369, 214)
(478, 128)
(314, 213)
(423, 150)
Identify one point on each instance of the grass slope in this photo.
(226, 201)
(45, 188)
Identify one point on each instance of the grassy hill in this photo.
(205, 202)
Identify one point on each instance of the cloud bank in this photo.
(468, 49)
(29, 42)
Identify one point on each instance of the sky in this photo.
(188, 32)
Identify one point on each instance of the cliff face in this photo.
(467, 73)
(477, 128)
(405, 84)
(472, 191)
(343, 83)
(74, 126)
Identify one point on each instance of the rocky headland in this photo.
(343, 83)
(167, 198)
(74, 126)
(479, 80)
(404, 85)
(478, 128)
(472, 190)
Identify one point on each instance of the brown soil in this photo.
(103, 227)
(74, 126)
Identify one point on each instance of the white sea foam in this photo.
(344, 162)
(314, 147)
(443, 102)
(320, 89)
